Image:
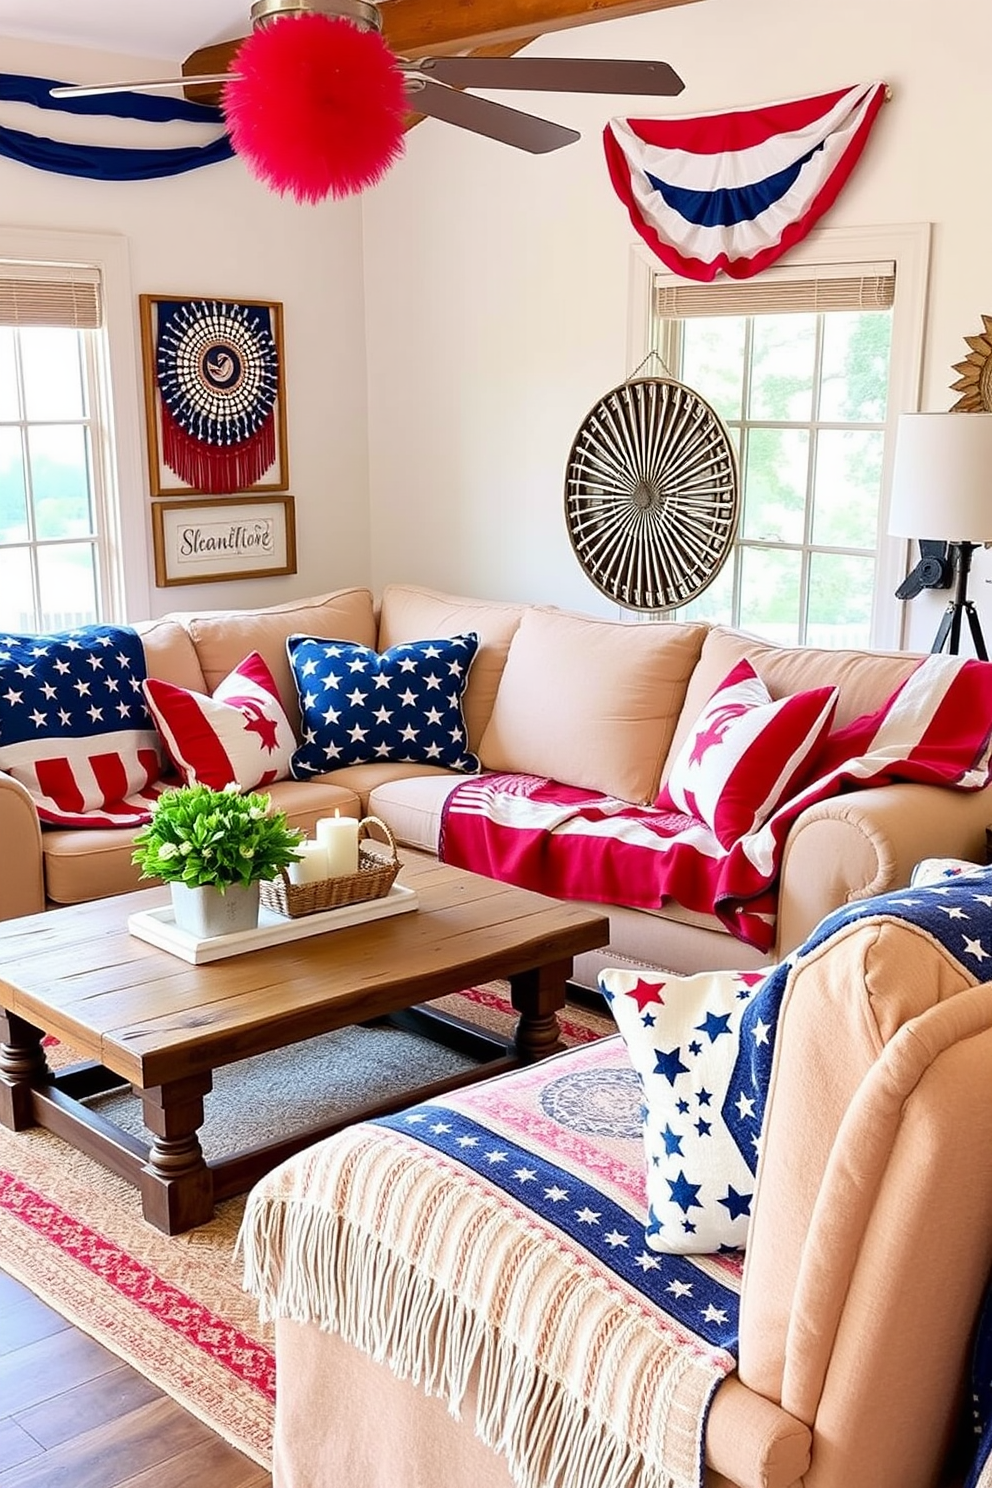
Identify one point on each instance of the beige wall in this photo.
(217, 232)
(497, 282)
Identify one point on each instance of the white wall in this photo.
(497, 282)
(217, 232)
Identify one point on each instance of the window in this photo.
(807, 365)
(52, 458)
(73, 520)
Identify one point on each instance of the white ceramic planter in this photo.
(205, 912)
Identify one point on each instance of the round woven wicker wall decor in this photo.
(652, 494)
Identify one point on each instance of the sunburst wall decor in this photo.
(975, 382)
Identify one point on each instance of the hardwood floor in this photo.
(73, 1415)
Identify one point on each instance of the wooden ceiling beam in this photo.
(418, 28)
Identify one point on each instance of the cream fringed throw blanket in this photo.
(502, 1227)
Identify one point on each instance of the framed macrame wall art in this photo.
(652, 494)
(215, 397)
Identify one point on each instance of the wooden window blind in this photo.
(52, 294)
(870, 287)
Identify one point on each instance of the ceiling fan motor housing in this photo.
(359, 12)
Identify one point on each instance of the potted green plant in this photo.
(213, 848)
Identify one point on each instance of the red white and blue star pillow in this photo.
(239, 736)
(683, 1036)
(403, 705)
(746, 754)
(731, 192)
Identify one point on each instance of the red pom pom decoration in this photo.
(318, 106)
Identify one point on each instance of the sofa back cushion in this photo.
(589, 702)
(223, 638)
(409, 614)
(170, 653)
(864, 679)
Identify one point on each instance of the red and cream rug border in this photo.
(172, 1307)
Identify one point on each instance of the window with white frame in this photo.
(808, 365)
(55, 458)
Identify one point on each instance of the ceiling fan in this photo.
(430, 85)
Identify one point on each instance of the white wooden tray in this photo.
(159, 928)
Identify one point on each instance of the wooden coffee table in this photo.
(142, 1016)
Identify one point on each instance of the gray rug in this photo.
(273, 1095)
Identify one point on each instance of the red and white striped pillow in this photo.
(241, 734)
(746, 754)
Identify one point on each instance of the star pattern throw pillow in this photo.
(746, 754)
(402, 705)
(239, 735)
(683, 1035)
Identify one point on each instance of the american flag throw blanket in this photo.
(74, 729)
(502, 1228)
(574, 844)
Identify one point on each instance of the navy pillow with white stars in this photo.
(404, 705)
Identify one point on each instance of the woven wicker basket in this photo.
(374, 879)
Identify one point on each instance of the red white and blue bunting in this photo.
(731, 192)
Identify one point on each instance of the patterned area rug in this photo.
(173, 1306)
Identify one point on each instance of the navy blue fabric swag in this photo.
(107, 162)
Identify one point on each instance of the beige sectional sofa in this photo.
(595, 703)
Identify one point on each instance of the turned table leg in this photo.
(537, 996)
(22, 1066)
(177, 1187)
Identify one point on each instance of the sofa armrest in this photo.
(22, 877)
(868, 842)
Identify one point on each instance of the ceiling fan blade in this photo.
(152, 85)
(495, 120)
(555, 74)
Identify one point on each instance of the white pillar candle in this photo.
(312, 866)
(338, 835)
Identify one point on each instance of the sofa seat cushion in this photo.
(407, 613)
(80, 866)
(591, 702)
(412, 808)
(223, 637)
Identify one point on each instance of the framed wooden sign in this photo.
(232, 537)
(215, 396)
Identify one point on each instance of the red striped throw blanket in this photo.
(575, 844)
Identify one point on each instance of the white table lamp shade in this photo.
(942, 477)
